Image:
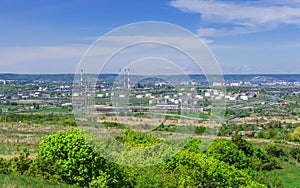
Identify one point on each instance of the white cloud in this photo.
(58, 58)
(15, 55)
(42, 59)
(242, 16)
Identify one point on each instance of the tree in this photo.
(295, 152)
(67, 157)
(275, 150)
(228, 152)
(295, 136)
(189, 169)
(4, 166)
(21, 163)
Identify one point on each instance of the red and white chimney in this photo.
(124, 78)
(81, 77)
(128, 78)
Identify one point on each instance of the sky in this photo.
(248, 36)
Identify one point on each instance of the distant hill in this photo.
(38, 77)
(111, 77)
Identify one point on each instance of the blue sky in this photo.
(50, 36)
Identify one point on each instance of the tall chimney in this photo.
(81, 77)
(86, 96)
(128, 78)
(124, 78)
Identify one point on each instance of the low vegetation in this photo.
(66, 158)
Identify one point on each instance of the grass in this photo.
(18, 181)
(201, 115)
(290, 176)
(15, 137)
(48, 110)
(14, 149)
(204, 116)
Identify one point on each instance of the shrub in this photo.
(295, 152)
(188, 169)
(21, 163)
(275, 150)
(4, 166)
(67, 157)
(241, 154)
(295, 136)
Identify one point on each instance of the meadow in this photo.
(283, 169)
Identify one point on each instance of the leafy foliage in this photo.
(295, 152)
(4, 167)
(190, 169)
(275, 150)
(21, 163)
(132, 138)
(68, 158)
(295, 136)
(21, 181)
(51, 119)
(241, 154)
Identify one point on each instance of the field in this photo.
(290, 176)
(16, 136)
(18, 181)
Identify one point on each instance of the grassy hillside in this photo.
(290, 176)
(17, 181)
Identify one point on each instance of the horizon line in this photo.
(142, 75)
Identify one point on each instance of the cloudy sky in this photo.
(50, 36)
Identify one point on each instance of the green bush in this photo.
(295, 136)
(188, 169)
(66, 157)
(149, 179)
(132, 138)
(21, 163)
(228, 152)
(241, 154)
(275, 150)
(5, 167)
(295, 152)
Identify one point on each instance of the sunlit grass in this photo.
(290, 176)
(14, 181)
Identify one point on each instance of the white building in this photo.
(235, 84)
(207, 94)
(244, 97)
(218, 84)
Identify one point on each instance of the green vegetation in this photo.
(113, 125)
(14, 180)
(295, 136)
(65, 157)
(241, 154)
(132, 138)
(44, 119)
(38, 150)
(49, 110)
(290, 176)
(274, 130)
(168, 128)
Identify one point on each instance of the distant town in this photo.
(248, 96)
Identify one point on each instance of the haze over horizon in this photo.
(247, 37)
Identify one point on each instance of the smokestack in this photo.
(86, 96)
(128, 78)
(81, 77)
(124, 78)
